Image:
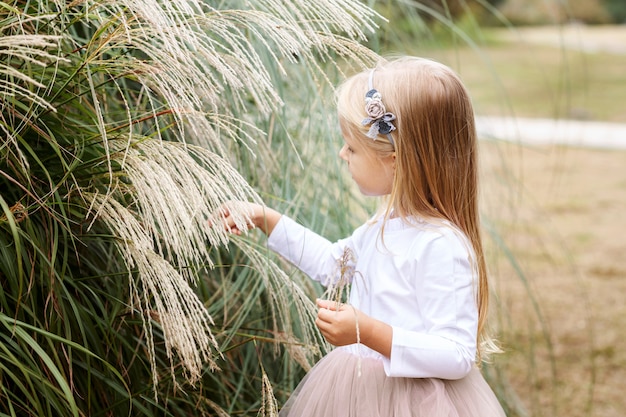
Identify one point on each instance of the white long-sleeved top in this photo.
(420, 281)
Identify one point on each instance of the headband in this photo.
(377, 116)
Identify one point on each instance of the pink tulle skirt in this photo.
(334, 388)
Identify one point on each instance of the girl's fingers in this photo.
(328, 304)
(222, 218)
(329, 311)
(324, 316)
(219, 214)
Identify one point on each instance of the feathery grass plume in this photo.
(103, 106)
(269, 406)
(162, 234)
(215, 407)
(283, 294)
(338, 288)
(198, 54)
(31, 49)
(18, 86)
(297, 350)
(161, 293)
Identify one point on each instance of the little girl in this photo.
(414, 329)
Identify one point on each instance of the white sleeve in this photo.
(311, 253)
(445, 292)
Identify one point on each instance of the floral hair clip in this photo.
(378, 116)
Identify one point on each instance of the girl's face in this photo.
(373, 175)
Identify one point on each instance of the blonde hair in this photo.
(435, 147)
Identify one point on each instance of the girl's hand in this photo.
(338, 324)
(257, 216)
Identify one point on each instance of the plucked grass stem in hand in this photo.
(339, 290)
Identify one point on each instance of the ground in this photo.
(562, 319)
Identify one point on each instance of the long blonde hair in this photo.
(436, 150)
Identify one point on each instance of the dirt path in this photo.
(576, 133)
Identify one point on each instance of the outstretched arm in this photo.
(339, 324)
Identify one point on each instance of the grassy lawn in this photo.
(510, 77)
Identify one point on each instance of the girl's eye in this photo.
(350, 150)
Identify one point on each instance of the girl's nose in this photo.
(343, 153)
